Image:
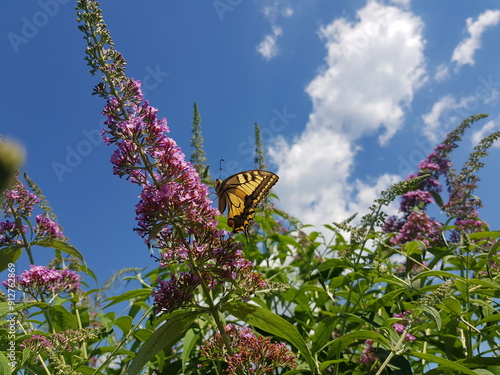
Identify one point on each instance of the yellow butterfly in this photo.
(241, 192)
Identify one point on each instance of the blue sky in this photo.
(350, 96)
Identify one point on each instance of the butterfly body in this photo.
(240, 193)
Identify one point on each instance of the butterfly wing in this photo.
(241, 193)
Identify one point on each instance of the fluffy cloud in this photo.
(268, 48)
(464, 52)
(442, 73)
(373, 67)
(448, 112)
(488, 128)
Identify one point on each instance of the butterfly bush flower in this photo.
(19, 204)
(10, 232)
(418, 226)
(39, 280)
(47, 228)
(461, 206)
(368, 355)
(401, 327)
(251, 354)
(415, 223)
(174, 213)
(19, 201)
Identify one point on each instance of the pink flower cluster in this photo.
(39, 280)
(400, 327)
(47, 228)
(415, 223)
(174, 213)
(250, 352)
(20, 203)
(10, 233)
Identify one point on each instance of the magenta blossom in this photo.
(10, 232)
(418, 226)
(39, 280)
(401, 327)
(19, 200)
(249, 352)
(47, 228)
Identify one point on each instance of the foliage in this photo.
(405, 294)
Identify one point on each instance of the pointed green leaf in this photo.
(107, 320)
(9, 255)
(165, 336)
(124, 323)
(127, 296)
(61, 246)
(345, 340)
(453, 304)
(452, 365)
(61, 318)
(190, 340)
(432, 313)
(4, 365)
(480, 235)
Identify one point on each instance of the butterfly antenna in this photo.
(220, 167)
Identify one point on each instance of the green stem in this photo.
(123, 341)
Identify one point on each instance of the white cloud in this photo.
(405, 4)
(276, 9)
(268, 48)
(442, 73)
(464, 52)
(446, 114)
(488, 128)
(373, 67)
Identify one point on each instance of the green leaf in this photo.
(333, 263)
(61, 318)
(324, 365)
(271, 323)
(107, 320)
(453, 304)
(342, 342)
(485, 283)
(61, 246)
(480, 235)
(438, 274)
(4, 365)
(437, 198)
(124, 323)
(190, 339)
(414, 247)
(452, 365)
(322, 332)
(165, 336)
(482, 371)
(432, 313)
(127, 296)
(9, 255)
